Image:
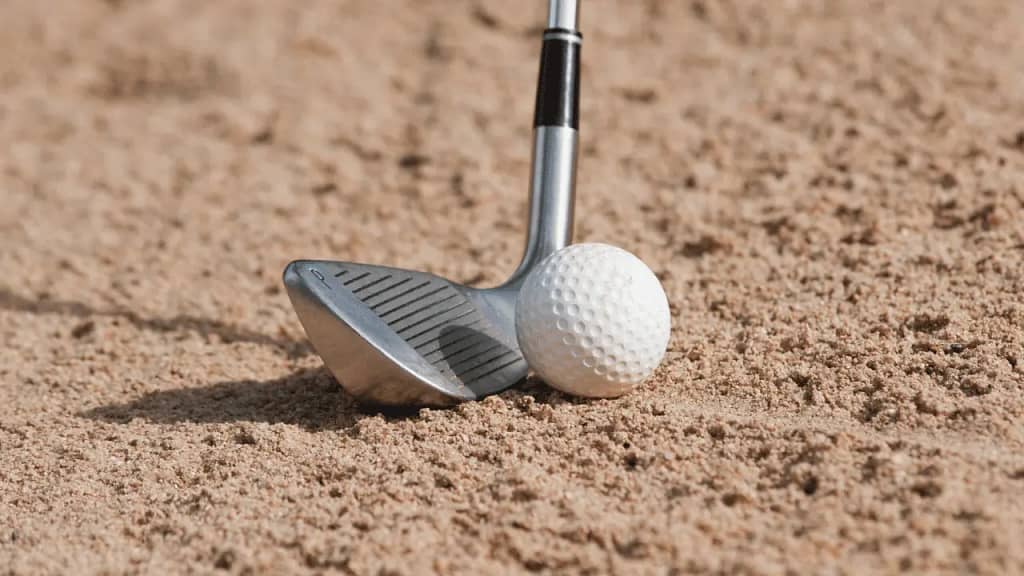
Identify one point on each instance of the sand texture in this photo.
(831, 192)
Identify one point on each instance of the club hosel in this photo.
(552, 196)
(555, 145)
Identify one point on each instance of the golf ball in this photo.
(592, 320)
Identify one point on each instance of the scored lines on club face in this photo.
(421, 311)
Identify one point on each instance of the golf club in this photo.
(401, 337)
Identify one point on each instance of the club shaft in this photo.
(564, 14)
(555, 139)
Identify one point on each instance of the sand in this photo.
(831, 193)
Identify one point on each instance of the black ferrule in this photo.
(558, 88)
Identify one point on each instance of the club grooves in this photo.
(408, 315)
(478, 377)
(356, 279)
(396, 297)
(374, 283)
(402, 282)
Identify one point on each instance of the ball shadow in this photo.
(482, 363)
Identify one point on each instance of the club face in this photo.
(400, 337)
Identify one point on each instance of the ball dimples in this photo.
(592, 320)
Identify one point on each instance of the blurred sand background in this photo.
(831, 192)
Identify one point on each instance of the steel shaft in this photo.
(555, 140)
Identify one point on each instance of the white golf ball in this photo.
(593, 320)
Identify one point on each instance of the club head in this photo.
(401, 337)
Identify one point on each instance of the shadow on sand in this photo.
(311, 399)
(181, 323)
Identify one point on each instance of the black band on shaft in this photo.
(558, 88)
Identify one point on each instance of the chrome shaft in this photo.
(555, 142)
(564, 14)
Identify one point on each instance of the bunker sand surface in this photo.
(831, 196)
